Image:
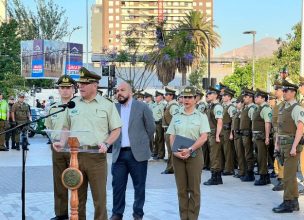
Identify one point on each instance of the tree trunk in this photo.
(184, 78)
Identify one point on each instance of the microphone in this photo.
(70, 104)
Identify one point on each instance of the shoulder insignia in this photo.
(109, 99)
(219, 112)
(302, 113)
(269, 114)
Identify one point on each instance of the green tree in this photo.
(196, 76)
(48, 22)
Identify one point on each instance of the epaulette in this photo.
(109, 99)
(53, 103)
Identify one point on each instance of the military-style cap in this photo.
(66, 80)
(248, 92)
(11, 98)
(213, 90)
(146, 94)
(157, 93)
(139, 94)
(188, 91)
(199, 92)
(228, 91)
(272, 96)
(222, 86)
(277, 84)
(260, 92)
(284, 69)
(21, 94)
(301, 81)
(87, 76)
(170, 91)
(289, 86)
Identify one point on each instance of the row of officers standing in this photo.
(12, 113)
(256, 128)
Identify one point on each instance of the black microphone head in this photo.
(71, 104)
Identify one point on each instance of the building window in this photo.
(111, 25)
(111, 10)
(208, 4)
(200, 3)
(117, 25)
(117, 10)
(194, 3)
(111, 18)
(111, 3)
(117, 17)
(208, 11)
(117, 2)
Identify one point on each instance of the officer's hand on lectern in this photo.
(57, 146)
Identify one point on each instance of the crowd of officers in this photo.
(249, 136)
(13, 113)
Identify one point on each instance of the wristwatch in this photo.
(107, 145)
(191, 150)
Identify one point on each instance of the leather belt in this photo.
(125, 149)
(257, 132)
(89, 147)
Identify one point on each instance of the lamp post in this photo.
(302, 42)
(87, 33)
(253, 52)
(69, 49)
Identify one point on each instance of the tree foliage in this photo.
(48, 22)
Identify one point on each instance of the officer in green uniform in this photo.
(261, 126)
(279, 103)
(148, 98)
(4, 117)
(245, 131)
(284, 74)
(171, 109)
(272, 103)
(228, 146)
(139, 96)
(188, 162)
(236, 132)
(215, 118)
(99, 116)
(290, 132)
(20, 114)
(10, 135)
(159, 139)
(301, 90)
(61, 160)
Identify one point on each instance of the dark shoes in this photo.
(278, 187)
(167, 172)
(216, 179)
(115, 217)
(225, 173)
(264, 180)
(287, 206)
(249, 177)
(3, 149)
(61, 217)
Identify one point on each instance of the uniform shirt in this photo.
(158, 111)
(251, 110)
(218, 111)
(231, 110)
(174, 109)
(201, 106)
(266, 113)
(98, 116)
(151, 105)
(24, 111)
(191, 126)
(297, 113)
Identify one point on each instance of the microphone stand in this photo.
(24, 149)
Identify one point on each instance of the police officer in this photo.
(284, 74)
(20, 114)
(290, 132)
(10, 135)
(171, 109)
(261, 125)
(301, 90)
(228, 146)
(4, 117)
(188, 162)
(61, 160)
(99, 116)
(236, 132)
(159, 139)
(278, 168)
(148, 98)
(139, 96)
(245, 131)
(215, 118)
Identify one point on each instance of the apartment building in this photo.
(3, 10)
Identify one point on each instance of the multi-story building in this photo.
(3, 11)
(111, 18)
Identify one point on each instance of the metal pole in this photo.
(87, 17)
(253, 58)
(302, 42)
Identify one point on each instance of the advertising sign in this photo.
(74, 61)
(37, 60)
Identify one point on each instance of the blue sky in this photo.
(270, 18)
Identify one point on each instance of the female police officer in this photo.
(188, 162)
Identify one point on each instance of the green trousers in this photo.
(61, 161)
(2, 137)
(18, 131)
(159, 141)
(262, 156)
(169, 162)
(290, 183)
(94, 170)
(228, 152)
(215, 154)
(188, 179)
(240, 152)
(248, 147)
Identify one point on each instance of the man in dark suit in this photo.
(131, 152)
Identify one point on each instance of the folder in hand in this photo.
(181, 142)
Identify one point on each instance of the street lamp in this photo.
(69, 49)
(302, 42)
(253, 52)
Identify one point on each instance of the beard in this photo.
(122, 99)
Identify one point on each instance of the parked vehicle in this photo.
(37, 127)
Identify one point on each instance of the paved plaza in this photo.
(232, 200)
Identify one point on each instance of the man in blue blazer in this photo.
(131, 151)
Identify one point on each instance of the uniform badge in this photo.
(302, 113)
(269, 114)
(219, 112)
